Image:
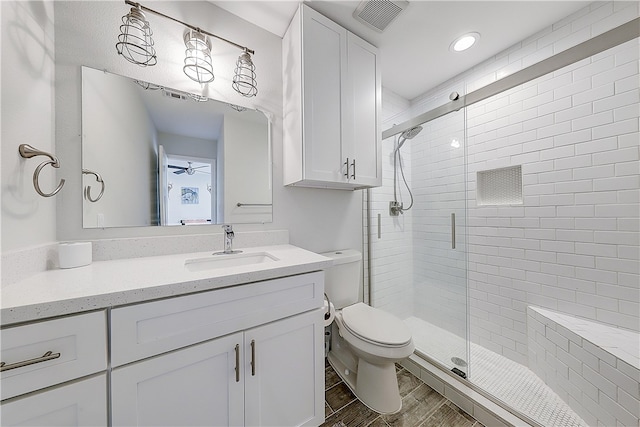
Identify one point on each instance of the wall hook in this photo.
(27, 151)
(87, 191)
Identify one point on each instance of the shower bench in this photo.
(593, 367)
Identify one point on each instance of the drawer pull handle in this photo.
(237, 363)
(49, 355)
(347, 165)
(253, 357)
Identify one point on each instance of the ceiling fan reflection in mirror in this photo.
(190, 170)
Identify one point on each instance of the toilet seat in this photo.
(375, 326)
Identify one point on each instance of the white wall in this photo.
(27, 43)
(182, 145)
(86, 33)
(247, 178)
(103, 96)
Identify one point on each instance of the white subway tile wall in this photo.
(582, 234)
(392, 272)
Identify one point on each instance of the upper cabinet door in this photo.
(331, 106)
(362, 134)
(324, 47)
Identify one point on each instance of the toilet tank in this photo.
(342, 280)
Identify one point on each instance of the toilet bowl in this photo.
(366, 342)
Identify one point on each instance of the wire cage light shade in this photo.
(244, 79)
(197, 60)
(135, 42)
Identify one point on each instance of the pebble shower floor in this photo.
(503, 378)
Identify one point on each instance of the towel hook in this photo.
(87, 191)
(27, 151)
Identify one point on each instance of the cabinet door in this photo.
(363, 139)
(195, 386)
(286, 386)
(83, 403)
(324, 49)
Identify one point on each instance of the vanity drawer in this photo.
(57, 350)
(147, 329)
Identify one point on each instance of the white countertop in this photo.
(113, 283)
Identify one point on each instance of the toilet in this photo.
(365, 342)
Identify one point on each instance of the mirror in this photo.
(156, 156)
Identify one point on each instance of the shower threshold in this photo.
(498, 378)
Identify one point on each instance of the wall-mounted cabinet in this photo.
(332, 101)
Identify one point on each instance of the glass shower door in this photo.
(427, 284)
(440, 322)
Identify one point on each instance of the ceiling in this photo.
(414, 48)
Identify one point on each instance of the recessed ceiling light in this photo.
(464, 42)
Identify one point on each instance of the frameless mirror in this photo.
(156, 156)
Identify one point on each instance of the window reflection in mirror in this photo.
(169, 158)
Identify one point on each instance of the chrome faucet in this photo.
(228, 241)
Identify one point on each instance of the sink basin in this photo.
(225, 261)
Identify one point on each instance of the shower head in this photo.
(411, 133)
(408, 134)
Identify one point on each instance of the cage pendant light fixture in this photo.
(244, 79)
(197, 60)
(135, 42)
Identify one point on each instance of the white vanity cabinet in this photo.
(54, 372)
(244, 355)
(332, 101)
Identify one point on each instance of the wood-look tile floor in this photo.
(421, 406)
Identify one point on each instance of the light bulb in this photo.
(197, 61)
(464, 42)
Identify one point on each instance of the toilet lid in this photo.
(375, 325)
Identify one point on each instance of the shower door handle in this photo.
(453, 231)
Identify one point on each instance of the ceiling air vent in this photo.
(378, 14)
(174, 95)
